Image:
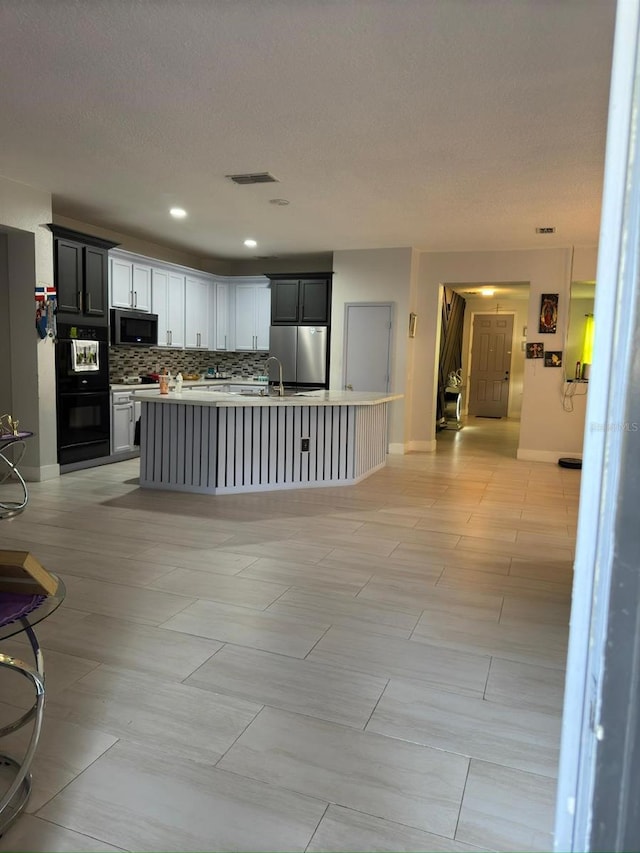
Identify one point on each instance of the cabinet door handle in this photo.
(225, 341)
(135, 298)
(80, 301)
(131, 298)
(88, 303)
(171, 337)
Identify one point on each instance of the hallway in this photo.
(377, 667)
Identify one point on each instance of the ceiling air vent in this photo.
(253, 178)
(547, 229)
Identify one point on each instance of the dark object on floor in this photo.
(570, 462)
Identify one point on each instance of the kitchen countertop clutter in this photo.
(224, 397)
(129, 385)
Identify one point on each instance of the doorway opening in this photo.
(493, 357)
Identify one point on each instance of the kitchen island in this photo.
(216, 442)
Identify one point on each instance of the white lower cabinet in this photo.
(122, 422)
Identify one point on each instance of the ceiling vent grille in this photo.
(548, 229)
(253, 178)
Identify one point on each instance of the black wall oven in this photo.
(82, 387)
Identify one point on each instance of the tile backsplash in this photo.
(132, 361)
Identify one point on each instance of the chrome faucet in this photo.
(266, 368)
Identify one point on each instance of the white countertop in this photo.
(301, 398)
(147, 386)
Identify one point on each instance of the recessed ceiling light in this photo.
(178, 212)
(487, 291)
(250, 244)
(281, 202)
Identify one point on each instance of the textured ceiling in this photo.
(438, 124)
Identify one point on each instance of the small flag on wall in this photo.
(44, 292)
(45, 295)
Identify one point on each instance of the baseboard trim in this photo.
(545, 455)
(397, 449)
(423, 446)
(39, 475)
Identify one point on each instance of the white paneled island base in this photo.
(217, 443)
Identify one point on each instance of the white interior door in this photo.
(367, 347)
(490, 365)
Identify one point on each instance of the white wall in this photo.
(547, 431)
(298, 263)
(146, 247)
(375, 275)
(24, 214)
(519, 308)
(5, 328)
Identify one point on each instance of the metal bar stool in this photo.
(20, 613)
(9, 508)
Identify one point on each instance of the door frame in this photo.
(345, 337)
(465, 408)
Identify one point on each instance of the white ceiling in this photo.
(506, 291)
(438, 124)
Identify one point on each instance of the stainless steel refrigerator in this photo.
(303, 353)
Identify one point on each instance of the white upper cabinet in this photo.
(176, 308)
(196, 312)
(168, 303)
(120, 280)
(253, 315)
(141, 288)
(263, 316)
(129, 283)
(220, 326)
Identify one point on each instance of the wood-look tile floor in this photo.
(376, 667)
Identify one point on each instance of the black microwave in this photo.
(134, 328)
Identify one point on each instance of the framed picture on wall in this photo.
(553, 359)
(535, 350)
(548, 314)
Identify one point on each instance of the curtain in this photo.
(453, 306)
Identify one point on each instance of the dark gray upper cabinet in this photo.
(301, 299)
(81, 275)
(285, 301)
